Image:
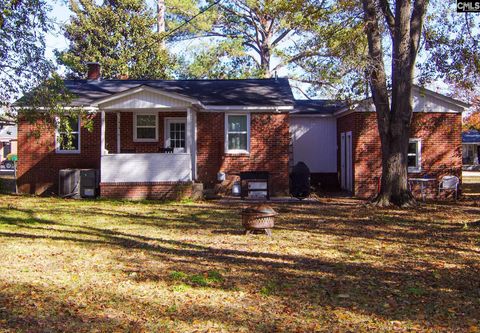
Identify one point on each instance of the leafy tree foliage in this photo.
(472, 122)
(272, 34)
(224, 60)
(452, 47)
(23, 24)
(120, 35)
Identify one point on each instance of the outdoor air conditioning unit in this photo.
(69, 183)
(88, 183)
(78, 183)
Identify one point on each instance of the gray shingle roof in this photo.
(317, 106)
(251, 92)
(471, 136)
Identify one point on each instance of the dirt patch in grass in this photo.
(332, 265)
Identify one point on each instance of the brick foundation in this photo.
(151, 191)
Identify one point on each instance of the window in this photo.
(67, 138)
(7, 149)
(237, 133)
(175, 134)
(145, 127)
(414, 155)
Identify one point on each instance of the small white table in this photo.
(422, 182)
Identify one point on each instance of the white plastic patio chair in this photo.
(449, 183)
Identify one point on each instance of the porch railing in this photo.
(135, 168)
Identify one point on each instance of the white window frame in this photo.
(58, 150)
(135, 115)
(237, 151)
(418, 155)
(166, 130)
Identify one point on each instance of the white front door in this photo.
(176, 134)
(346, 161)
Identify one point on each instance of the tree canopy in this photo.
(120, 35)
(23, 25)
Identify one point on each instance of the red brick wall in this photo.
(151, 191)
(269, 149)
(440, 134)
(126, 132)
(39, 164)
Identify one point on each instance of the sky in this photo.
(60, 15)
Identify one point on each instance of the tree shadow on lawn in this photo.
(29, 308)
(401, 290)
(297, 279)
(32, 308)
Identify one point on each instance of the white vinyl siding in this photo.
(314, 142)
(128, 168)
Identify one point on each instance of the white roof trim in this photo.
(223, 108)
(296, 115)
(149, 89)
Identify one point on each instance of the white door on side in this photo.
(346, 161)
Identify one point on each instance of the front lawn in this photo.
(332, 266)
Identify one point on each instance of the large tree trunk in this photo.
(394, 119)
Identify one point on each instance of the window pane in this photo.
(412, 148)
(237, 123)
(412, 161)
(146, 133)
(73, 121)
(237, 141)
(69, 142)
(177, 134)
(146, 120)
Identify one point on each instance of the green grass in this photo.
(335, 265)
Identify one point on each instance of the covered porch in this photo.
(148, 137)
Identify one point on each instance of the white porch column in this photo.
(102, 134)
(190, 144)
(118, 133)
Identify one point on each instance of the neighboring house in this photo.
(213, 126)
(471, 149)
(8, 141)
(218, 127)
(334, 139)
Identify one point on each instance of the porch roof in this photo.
(251, 92)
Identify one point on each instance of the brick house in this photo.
(353, 143)
(154, 139)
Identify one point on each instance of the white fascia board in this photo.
(296, 115)
(223, 108)
(43, 109)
